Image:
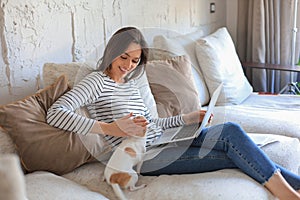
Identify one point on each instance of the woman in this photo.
(116, 107)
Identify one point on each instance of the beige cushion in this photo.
(148, 98)
(39, 145)
(48, 186)
(166, 47)
(73, 71)
(12, 183)
(172, 86)
(219, 62)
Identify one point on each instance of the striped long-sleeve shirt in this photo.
(106, 101)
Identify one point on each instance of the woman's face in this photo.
(125, 63)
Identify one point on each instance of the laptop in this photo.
(188, 132)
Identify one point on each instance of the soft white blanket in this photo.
(278, 115)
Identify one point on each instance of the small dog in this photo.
(119, 172)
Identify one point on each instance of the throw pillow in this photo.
(144, 88)
(173, 86)
(167, 47)
(39, 145)
(12, 182)
(74, 72)
(219, 62)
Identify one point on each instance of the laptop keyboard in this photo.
(186, 131)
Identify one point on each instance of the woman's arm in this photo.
(62, 113)
(194, 117)
(179, 120)
(169, 122)
(125, 126)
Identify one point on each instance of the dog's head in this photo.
(135, 146)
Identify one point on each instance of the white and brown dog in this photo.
(119, 171)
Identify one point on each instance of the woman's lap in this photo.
(222, 146)
(189, 157)
(218, 147)
(182, 160)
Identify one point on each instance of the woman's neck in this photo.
(121, 80)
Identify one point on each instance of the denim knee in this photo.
(231, 127)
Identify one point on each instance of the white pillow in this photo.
(219, 62)
(168, 47)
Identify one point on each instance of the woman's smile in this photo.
(123, 70)
(125, 63)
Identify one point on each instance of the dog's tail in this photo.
(118, 191)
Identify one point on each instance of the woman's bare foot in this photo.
(280, 188)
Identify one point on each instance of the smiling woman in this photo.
(127, 44)
(125, 63)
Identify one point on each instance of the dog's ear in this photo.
(130, 151)
(120, 178)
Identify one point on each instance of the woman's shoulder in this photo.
(97, 75)
(99, 79)
(92, 79)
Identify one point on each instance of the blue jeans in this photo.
(218, 147)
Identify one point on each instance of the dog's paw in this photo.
(134, 188)
(103, 179)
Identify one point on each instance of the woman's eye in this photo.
(123, 57)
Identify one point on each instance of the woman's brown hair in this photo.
(118, 44)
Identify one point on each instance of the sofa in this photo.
(41, 162)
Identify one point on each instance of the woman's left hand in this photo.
(195, 117)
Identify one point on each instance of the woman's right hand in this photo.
(125, 126)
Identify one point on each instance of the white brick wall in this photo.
(34, 32)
